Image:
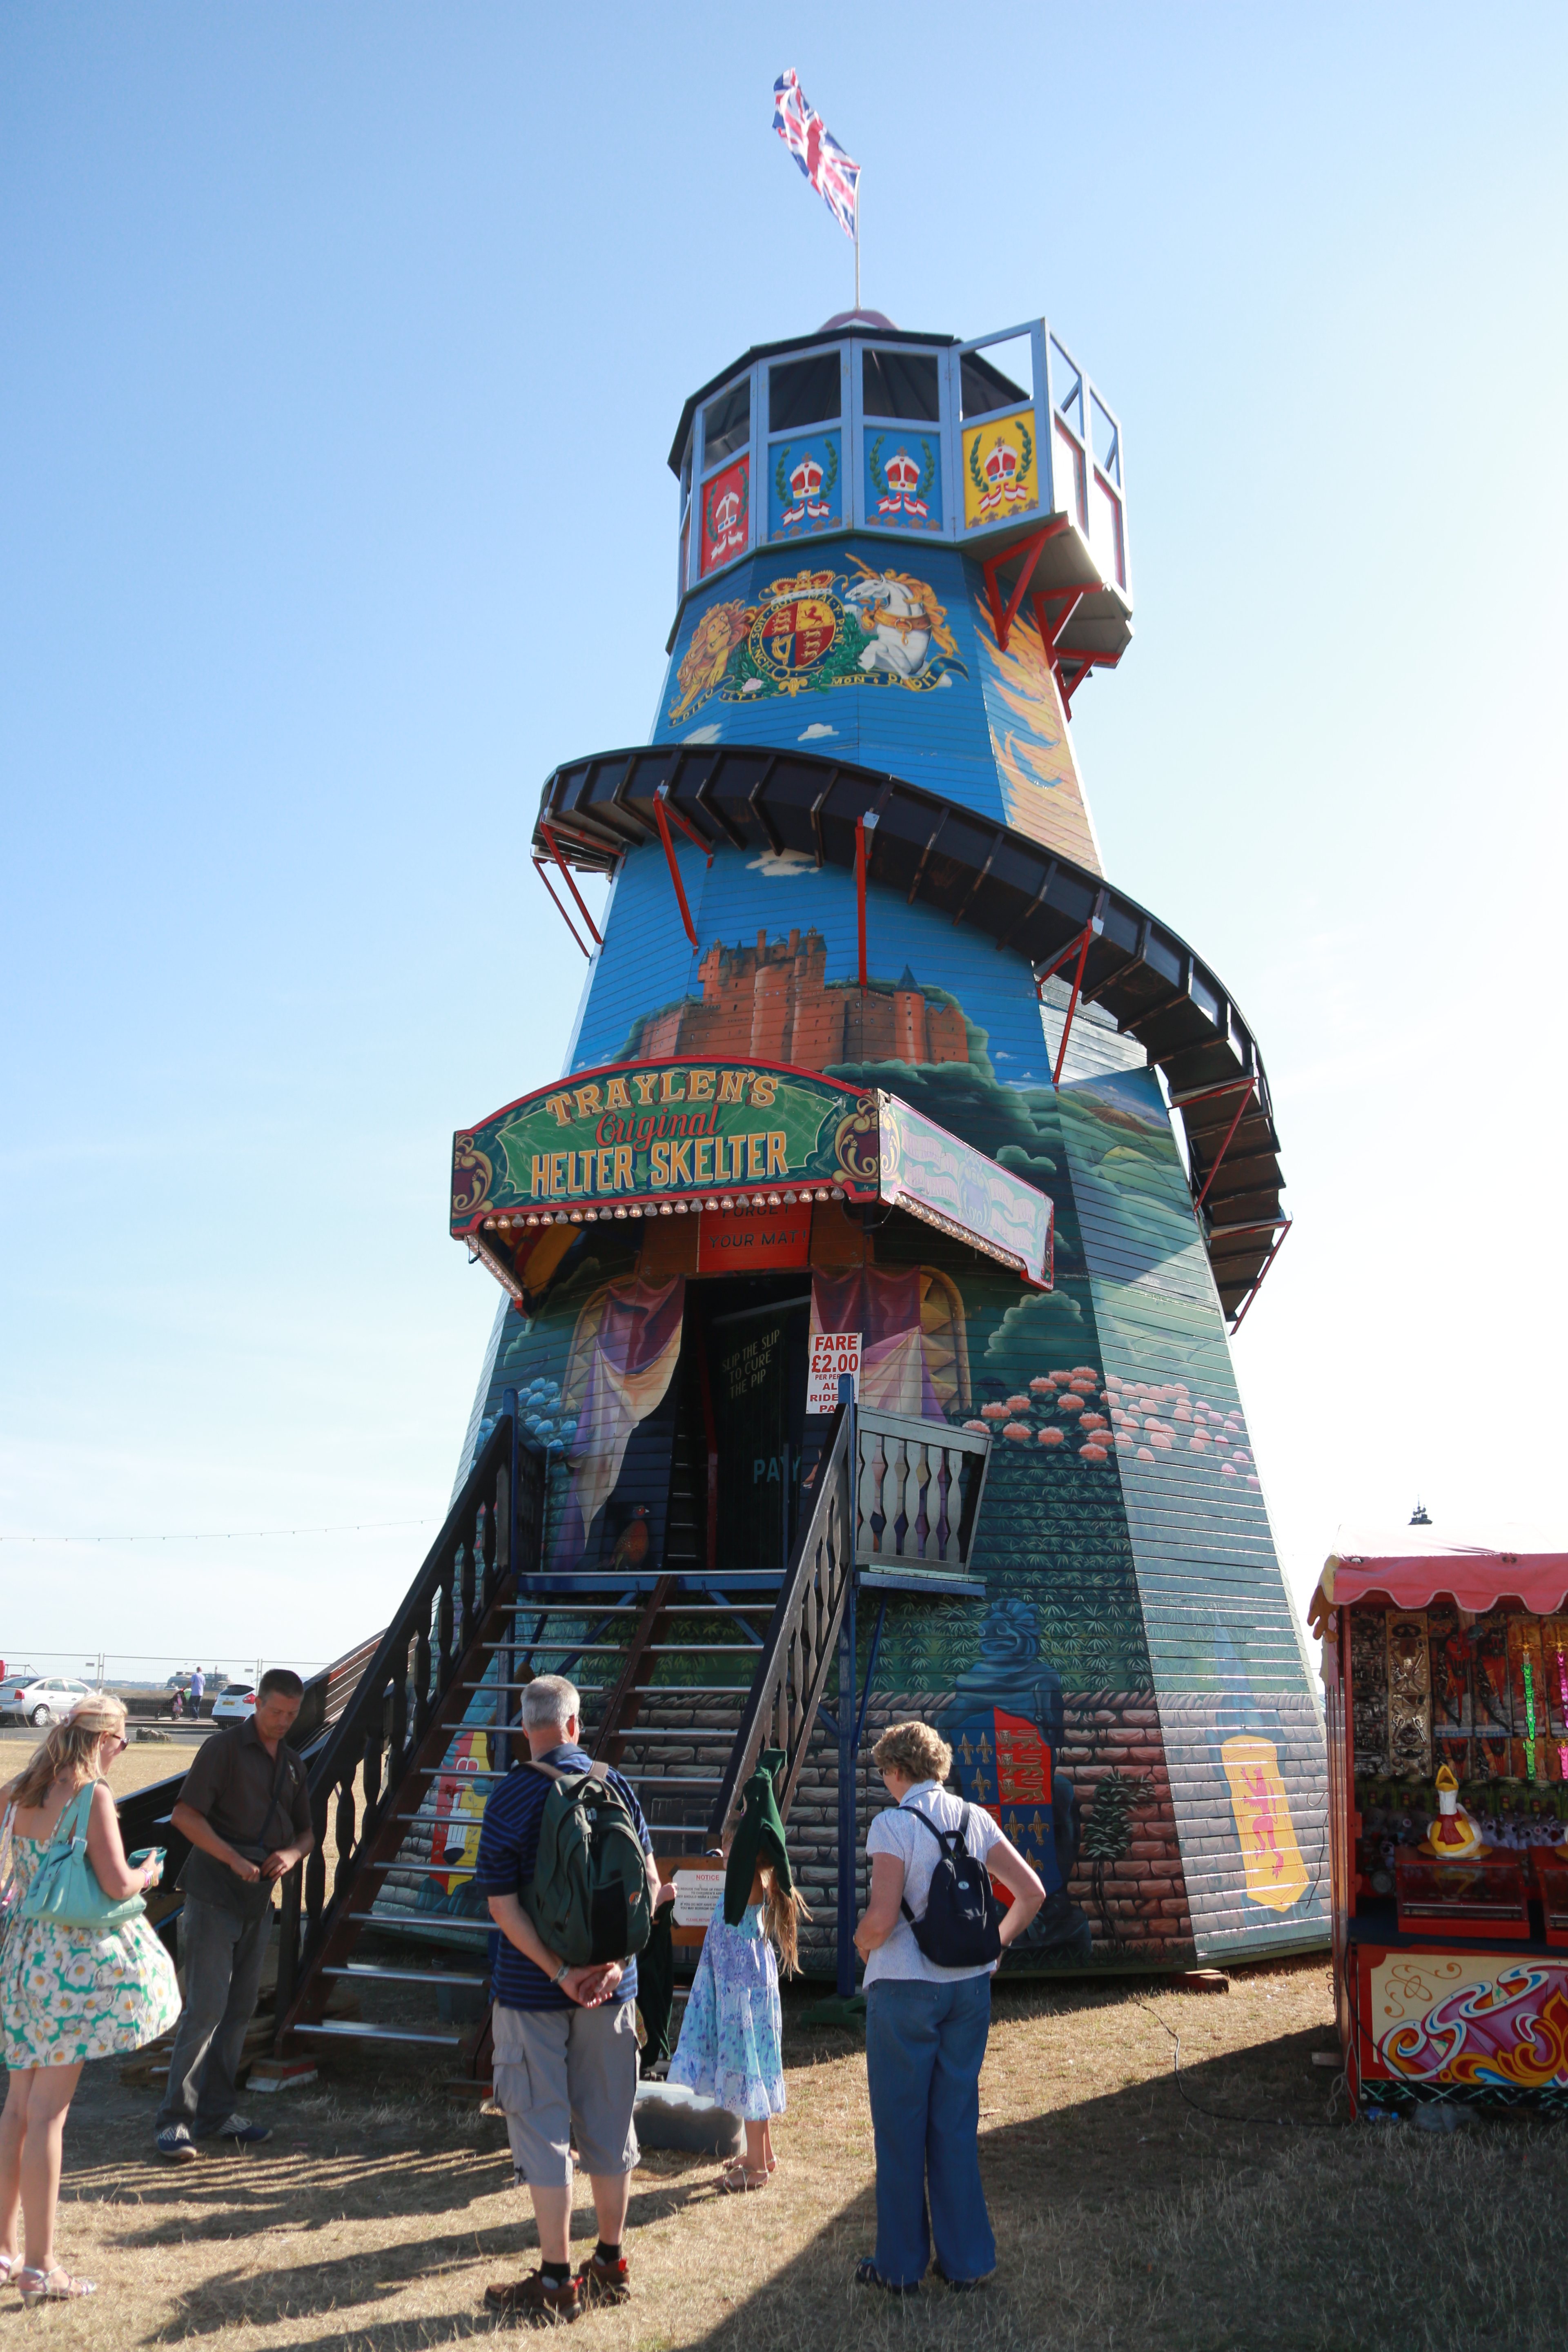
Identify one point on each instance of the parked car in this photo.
(234, 1705)
(46, 1699)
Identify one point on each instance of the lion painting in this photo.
(713, 640)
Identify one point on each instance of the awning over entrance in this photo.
(712, 1138)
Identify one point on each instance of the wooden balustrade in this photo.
(917, 1492)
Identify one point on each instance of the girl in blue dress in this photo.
(731, 2036)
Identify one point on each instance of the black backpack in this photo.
(962, 1924)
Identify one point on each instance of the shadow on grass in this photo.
(314, 2197)
(1132, 2219)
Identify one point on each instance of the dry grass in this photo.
(144, 1761)
(1124, 2217)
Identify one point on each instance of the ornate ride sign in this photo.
(641, 1135)
(646, 1138)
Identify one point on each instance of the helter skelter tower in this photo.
(865, 1001)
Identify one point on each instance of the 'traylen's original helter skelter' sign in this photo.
(646, 1135)
(671, 1137)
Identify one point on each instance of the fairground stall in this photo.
(1446, 1672)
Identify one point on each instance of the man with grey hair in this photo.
(565, 2038)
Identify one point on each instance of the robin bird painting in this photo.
(632, 1543)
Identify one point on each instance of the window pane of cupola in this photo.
(804, 392)
(727, 422)
(902, 384)
(985, 385)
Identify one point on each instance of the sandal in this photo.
(738, 2179)
(45, 2290)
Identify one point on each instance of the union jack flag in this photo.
(833, 174)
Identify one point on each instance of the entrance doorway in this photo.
(752, 1365)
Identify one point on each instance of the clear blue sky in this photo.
(342, 349)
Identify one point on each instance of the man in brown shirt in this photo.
(246, 1809)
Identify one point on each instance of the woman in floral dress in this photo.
(67, 1994)
(732, 2034)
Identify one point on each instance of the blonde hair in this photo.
(915, 1750)
(68, 1751)
(781, 1915)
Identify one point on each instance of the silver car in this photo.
(47, 1699)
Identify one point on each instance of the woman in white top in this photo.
(926, 2026)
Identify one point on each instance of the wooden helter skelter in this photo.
(877, 1075)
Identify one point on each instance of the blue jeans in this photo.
(924, 2044)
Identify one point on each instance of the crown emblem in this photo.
(807, 479)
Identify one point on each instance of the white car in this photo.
(46, 1699)
(234, 1705)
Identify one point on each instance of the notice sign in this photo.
(832, 1353)
(697, 1894)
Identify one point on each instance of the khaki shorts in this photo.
(561, 2074)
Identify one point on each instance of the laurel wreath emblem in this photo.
(1025, 459)
(829, 471)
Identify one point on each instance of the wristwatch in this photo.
(560, 1972)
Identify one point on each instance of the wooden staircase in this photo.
(685, 1677)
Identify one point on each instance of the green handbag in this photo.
(64, 1891)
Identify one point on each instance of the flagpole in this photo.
(858, 240)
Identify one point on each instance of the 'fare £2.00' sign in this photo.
(832, 1354)
(663, 1131)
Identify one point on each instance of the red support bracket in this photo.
(1051, 635)
(1225, 1147)
(689, 829)
(863, 825)
(1072, 1006)
(1276, 1246)
(662, 821)
(1085, 670)
(1030, 549)
(554, 848)
(1057, 960)
(539, 869)
(1051, 631)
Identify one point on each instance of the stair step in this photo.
(674, 1731)
(400, 1919)
(405, 1975)
(381, 2033)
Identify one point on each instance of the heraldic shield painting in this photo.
(1130, 1697)
(887, 655)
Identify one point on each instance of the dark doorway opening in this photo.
(736, 1475)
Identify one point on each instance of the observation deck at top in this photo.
(1002, 447)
